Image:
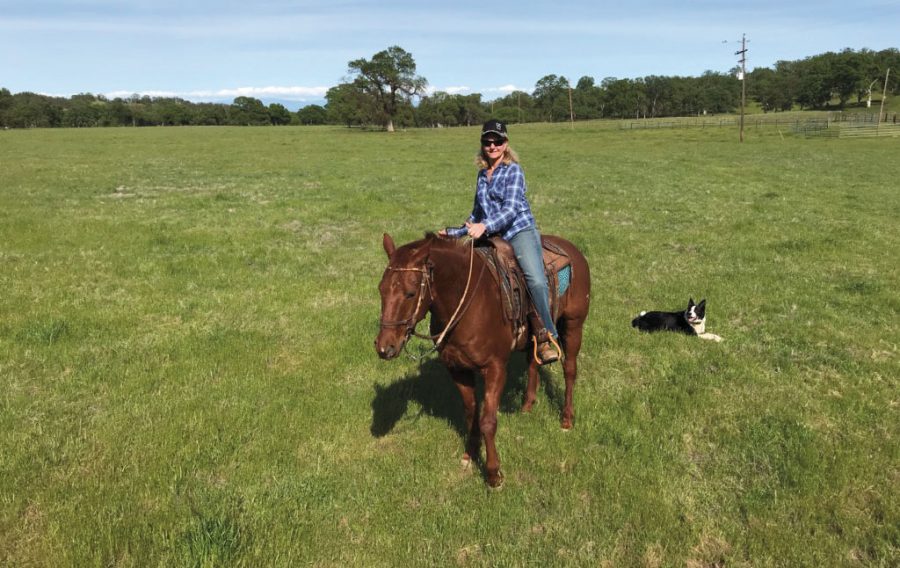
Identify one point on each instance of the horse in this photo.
(470, 330)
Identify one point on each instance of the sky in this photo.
(293, 51)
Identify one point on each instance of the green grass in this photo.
(188, 377)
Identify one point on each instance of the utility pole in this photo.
(519, 104)
(883, 96)
(571, 112)
(743, 62)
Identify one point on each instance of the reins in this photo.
(453, 320)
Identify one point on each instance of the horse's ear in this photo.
(388, 244)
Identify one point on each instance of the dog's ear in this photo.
(691, 304)
(388, 244)
(702, 303)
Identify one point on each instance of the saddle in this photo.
(501, 261)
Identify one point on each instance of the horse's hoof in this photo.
(466, 461)
(495, 483)
(566, 425)
(527, 407)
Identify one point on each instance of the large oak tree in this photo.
(389, 79)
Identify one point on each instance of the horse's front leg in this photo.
(465, 382)
(494, 379)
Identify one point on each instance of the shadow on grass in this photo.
(432, 390)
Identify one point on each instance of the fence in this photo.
(855, 125)
(799, 122)
(848, 130)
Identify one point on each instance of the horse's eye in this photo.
(410, 294)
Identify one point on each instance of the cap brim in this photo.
(497, 132)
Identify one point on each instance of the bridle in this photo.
(426, 282)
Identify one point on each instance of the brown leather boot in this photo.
(546, 350)
(547, 353)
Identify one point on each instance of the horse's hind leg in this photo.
(571, 346)
(465, 382)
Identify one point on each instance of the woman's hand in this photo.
(475, 230)
(442, 233)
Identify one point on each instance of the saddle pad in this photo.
(564, 276)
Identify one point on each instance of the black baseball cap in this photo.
(494, 126)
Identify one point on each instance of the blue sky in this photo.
(205, 50)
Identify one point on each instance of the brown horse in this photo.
(446, 278)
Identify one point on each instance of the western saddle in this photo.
(518, 309)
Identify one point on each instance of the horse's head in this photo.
(405, 294)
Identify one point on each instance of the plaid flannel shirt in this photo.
(500, 204)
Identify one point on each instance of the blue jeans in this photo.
(527, 246)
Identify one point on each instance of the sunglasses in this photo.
(486, 142)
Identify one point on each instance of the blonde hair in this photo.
(509, 157)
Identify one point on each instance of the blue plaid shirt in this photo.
(500, 203)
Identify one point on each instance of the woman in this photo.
(502, 209)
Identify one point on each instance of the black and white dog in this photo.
(691, 321)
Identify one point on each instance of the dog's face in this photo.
(695, 313)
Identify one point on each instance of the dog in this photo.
(691, 321)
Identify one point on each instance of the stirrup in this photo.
(551, 340)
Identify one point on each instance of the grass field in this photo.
(188, 377)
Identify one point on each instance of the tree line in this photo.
(32, 110)
(385, 92)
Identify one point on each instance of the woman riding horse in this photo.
(501, 208)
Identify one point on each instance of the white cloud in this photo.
(456, 90)
(505, 89)
(273, 92)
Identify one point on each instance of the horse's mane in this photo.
(442, 241)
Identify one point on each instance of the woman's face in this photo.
(493, 147)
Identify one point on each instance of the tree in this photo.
(211, 114)
(279, 115)
(624, 98)
(890, 58)
(470, 110)
(173, 112)
(436, 110)
(659, 95)
(587, 99)
(390, 80)
(348, 105)
(551, 95)
(517, 106)
(31, 110)
(719, 92)
(6, 102)
(81, 111)
(766, 87)
(844, 70)
(814, 82)
(312, 114)
(248, 111)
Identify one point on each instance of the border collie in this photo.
(691, 321)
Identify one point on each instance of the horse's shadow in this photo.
(432, 389)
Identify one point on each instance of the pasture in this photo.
(188, 376)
